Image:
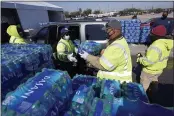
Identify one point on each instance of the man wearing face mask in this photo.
(65, 50)
(164, 21)
(16, 34)
(156, 57)
(115, 61)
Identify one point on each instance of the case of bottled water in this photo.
(90, 47)
(43, 95)
(134, 91)
(21, 61)
(87, 80)
(145, 31)
(82, 100)
(132, 30)
(110, 87)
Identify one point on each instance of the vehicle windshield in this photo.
(95, 32)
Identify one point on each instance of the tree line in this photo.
(81, 13)
(127, 11)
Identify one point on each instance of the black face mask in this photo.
(107, 36)
(164, 16)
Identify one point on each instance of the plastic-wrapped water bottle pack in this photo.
(132, 30)
(114, 99)
(122, 26)
(76, 42)
(82, 100)
(145, 31)
(87, 80)
(90, 47)
(46, 94)
(21, 61)
(50, 93)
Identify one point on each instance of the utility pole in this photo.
(108, 7)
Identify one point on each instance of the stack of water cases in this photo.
(145, 31)
(46, 94)
(122, 26)
(91, 47)
(132, 30)
(110, 98)
(21, 61)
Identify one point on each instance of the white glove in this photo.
(76, 50)
(71, 58)
(84, 55)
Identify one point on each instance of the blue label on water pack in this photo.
(80, 95)
(111, 87)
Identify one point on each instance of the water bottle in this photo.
(94, 104)
(48, 100)
(37, 109)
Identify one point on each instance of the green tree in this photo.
(158, 10)
(67, 14)
(74, 14)
(87, 12)
(97, 12)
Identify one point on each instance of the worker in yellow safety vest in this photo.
(156, 56)
(115, 62)
(16, 34)
(66, 50)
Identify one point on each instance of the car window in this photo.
(43, 33)
(95, 32)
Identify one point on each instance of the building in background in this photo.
(30, 15)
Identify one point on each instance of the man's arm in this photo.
(152, 56)
(94, 60)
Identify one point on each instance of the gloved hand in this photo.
(76, 50)
(71, 58)
(84, 55)
(139, 55)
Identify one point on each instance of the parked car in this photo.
(84, 31)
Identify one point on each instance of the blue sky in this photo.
(110, 6)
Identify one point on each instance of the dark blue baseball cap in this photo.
(64, 30)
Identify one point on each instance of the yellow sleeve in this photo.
(150, 58)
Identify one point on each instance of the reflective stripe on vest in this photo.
(150, 62)
(159, 57)
(124, 74)
(107, 62)
(157, 50)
